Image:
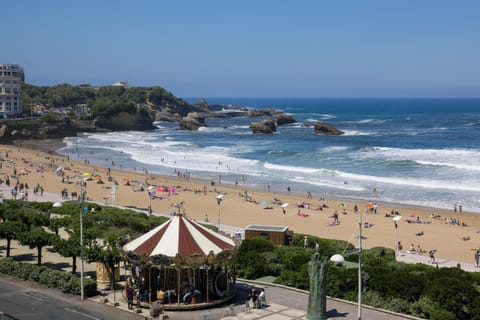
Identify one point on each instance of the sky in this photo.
(356, 48)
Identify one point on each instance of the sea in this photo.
(419, 152)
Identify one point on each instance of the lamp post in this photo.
(149, 203)
(340, 260)
(359, 311)
(219, 200)
(395, 220)
(284, 209)
(82, 194)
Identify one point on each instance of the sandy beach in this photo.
(425, 227)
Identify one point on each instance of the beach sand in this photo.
(39, 167)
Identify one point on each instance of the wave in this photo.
(358, 133)
(329, 184)
(268, 165)
(347, 178)
(323, 116)
(211, 129)
(333, 149)
(463, 159)
(472, 124)
(453, 165)
(368, 121)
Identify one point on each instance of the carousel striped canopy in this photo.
(182, 236)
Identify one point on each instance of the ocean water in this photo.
(413, 151)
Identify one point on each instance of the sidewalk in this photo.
(439, 262)
(282, 304)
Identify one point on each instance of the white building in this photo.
(11, 79)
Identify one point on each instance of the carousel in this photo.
(181, 264)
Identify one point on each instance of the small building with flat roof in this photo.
(278, 235)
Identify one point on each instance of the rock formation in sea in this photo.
(265, 127)
(327, 129)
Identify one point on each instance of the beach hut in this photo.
(181, 255)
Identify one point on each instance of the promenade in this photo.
(282, 304)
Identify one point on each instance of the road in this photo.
(24, 300)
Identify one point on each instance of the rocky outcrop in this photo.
(192, 121)
(18, 130)
(327, 129)
(282, 119)
(265, 126)
(124, 121)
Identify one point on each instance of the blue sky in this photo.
(250, 48)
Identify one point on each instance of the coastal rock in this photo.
(124, 121)
(282, 119)
(327, 129)
(168, 116)
(203, 104)
(3, 131)
(192, 121)
(265, 126)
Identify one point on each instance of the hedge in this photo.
(61, 280)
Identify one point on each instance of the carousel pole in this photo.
(178, 286)
(150, 284)
(208, 285)
(228, 280)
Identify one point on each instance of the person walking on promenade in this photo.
(129, 293)
(431, 254)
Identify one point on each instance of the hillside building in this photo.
(11, 79)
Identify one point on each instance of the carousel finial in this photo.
(180, 209)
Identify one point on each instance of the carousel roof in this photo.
(182, 236)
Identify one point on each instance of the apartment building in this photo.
(11, 79)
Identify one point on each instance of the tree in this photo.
(37, 238)
(10, 230)
(55, 224)
(70, 248)
(110, 255)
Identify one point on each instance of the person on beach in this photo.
(477, 258)
(335, 217)
(431, 255)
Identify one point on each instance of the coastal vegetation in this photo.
(416, 289)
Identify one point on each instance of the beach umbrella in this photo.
(161, 189)
(151, 188)
(57, 204)
(171, 190)
(59, 169)
(86, 174)
(265, 203)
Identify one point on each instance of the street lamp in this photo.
(82, 195)
(340, 260)
(219, 200)
(284, 209)
(395, 220)
(359, 311)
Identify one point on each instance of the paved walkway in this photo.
(282, 304)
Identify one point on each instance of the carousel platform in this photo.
(175, 306)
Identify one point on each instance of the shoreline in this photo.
(53, 145)
(235, 211)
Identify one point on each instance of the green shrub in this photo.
(65, 281)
